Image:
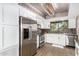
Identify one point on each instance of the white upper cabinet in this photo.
(11, 14)
(45, 24)
(0, 36)
(72, 23)
(0, 13)
(11, 35)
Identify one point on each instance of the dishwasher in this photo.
(71, 40)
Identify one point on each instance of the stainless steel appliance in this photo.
(71, 38)
(27, 37)
(77, 40)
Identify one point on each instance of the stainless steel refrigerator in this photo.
(27, 37)
(77, 40)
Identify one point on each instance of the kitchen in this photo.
(39, 29)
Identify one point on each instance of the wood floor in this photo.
(48, 50)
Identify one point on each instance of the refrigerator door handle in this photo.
(30, 32)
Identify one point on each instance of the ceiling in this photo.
(62, 7)
(46, 9)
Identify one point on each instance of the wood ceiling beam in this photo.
(45, 9)
(50, 7)
(35, 9)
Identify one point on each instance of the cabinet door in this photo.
(61, 40)
(11, 14)
(55, 38)
(48, 38)
(0, 36)
(11, 36)
(52, 38)
(46, 24)
(0, 13)
(72, 23)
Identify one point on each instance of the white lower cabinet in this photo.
(51, 38)
(55, 39)
(0, 36)
(61, 40)
(11, 35)
(58, 39)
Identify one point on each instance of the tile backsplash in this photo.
(72, 31)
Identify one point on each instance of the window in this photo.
(59, 26)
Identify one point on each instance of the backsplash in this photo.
(72, 31)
